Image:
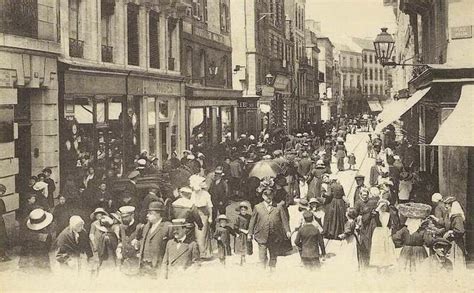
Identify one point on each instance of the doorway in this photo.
(22, 116)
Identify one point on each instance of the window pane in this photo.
(83, 110)
(115, 108)
(100, 107)
(163, 110)
(152, 125)
(6, 123)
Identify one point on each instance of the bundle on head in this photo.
(414, 210)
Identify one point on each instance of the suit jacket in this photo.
(304, 166)
(268, 225)
(157, 244)
(309, 240)
(69, 248)
(183, 257)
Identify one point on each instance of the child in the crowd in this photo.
(310, 242)
(242, 245)
(351, 160)
(222, 235)
(316, 206)
(107, 244)
(96, 229)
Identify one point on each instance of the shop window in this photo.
(132, 34)
(226, 122)
(153, 36)
(6, 123)
(152, 139)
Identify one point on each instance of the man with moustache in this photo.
(129, 240)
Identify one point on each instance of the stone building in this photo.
(263, 57)
(29, 129)
(435, 116)
(120, 87)
(211, 103)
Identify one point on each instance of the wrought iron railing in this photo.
(107, 54)
(76, 48)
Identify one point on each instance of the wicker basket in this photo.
(414, 210)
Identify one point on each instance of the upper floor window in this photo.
(371, 76)
(153, 39)
(225, 73)
(365, 58)
(106, 24)
(225, 18)
(370, 59)
(19, 17)
(188, 70)
(132, 34)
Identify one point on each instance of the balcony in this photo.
(171, 63)
(76, 48)
(107, 54)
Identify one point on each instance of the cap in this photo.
(222, 217)
(449, 199)
(436, 197)
(201, 155)
(378, 160)
(299, 135)
(359, 176)
(245, 204)
(303, 202)
(181, 223)
(134, 174)
(156, 206)
(126, 210)
(316, 200)
(441, 242)
(219, 170)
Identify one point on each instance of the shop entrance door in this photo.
(23, 143)
(165, 141)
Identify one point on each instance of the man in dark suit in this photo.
(182, 252)
(51, 186)
(360, 185)
(72, 242)
(269, 226)
(156, 234)
(309, 241)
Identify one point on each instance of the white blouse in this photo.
(201, 198)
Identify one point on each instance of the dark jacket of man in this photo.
(51, 190)
(219, 194)
(183, 257)
(268, 225)
(309, 241)
(304, 166)
(374, 175)
(153, 244)
(69, 248)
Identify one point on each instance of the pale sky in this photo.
(355, 18)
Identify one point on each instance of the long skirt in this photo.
(203, 236)
(340, 160)
(411, 257)
(382, 253)
(456, 255)
(334, 218)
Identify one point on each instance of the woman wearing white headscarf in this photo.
(455, 232)
(202, 200)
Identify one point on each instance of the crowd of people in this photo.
(159, 220)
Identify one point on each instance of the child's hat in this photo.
(308, 216)
(222, 217)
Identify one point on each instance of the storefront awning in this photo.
(391, 115)
(375, 106)
(457, 130)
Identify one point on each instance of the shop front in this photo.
(107, 118)
(211, 115)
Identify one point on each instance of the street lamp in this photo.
(269, 79)
(213, 69)
(384, 45)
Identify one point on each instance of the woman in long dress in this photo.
(340, 154)
(335, 216)
(382, 253)
(202, 200)
(349, 244)
(412, 238)
(455, 233)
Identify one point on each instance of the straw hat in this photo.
(39, 219)
(98, 211)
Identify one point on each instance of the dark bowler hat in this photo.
(156, 206)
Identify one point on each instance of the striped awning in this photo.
(457, 129)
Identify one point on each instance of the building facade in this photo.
(120, 88)
(438, 36)
(351, 79)
(211, 103)
(262, 61)
(312, 81)
(29, 129)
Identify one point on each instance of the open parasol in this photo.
(265, 168)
